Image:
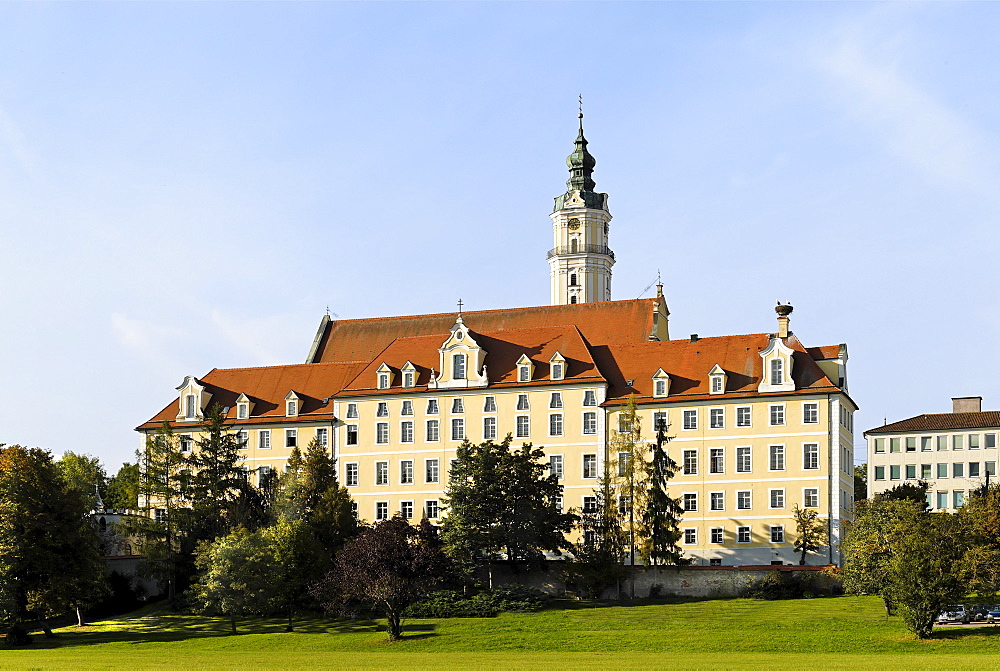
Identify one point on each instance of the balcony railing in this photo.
(581, 249)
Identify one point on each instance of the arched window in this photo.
(777, 374)
(458, 366)
(104, 524)
(572, 280)
(572, 300)
(573, 245)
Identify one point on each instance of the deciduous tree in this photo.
(810, 532)
(122, 490)
(598, 556)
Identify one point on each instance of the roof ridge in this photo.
(466, 313)
(286, 365)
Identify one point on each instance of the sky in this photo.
(188, 186)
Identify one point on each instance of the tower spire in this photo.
(580, 163)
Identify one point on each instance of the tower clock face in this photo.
(574, 224)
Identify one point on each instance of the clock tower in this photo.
(580, 262)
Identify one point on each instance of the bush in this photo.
(791, 585)
(507, 598)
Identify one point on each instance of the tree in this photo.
(216, 478)
(501, 504)
(810, 532)
(905, 491)
(630, 471)
(869, 545)
(660, 521)
(49, 561)
(860, 482)
(980, 518)
(122, 489)
(85, 474)
(598, 557)
(298, 560)
(389, 565)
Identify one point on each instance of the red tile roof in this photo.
(942, 421)
(604, 323)
(824, 352)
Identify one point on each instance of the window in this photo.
(690, 419)
(742, 459)
(810, 456)
(383, 380)
(958, 470)
(352, 434)
(243, 439)
(291, 408)
(894, 472)
(352, 411)
(660, 420)
(572, 276)
(690, 536)
(406, 472)
(523, 426)
(777, 533)
(383, 409)
(716, 460)
(556, 400)
(555, 425)
(431, 470)
(958, 499)
(589, 397)
(777, 462)
(590, 465)
(624, 504)
(322, 437)
(406, 509)
(264, 439)
(557, 371)
(185, 443)
(743, 500)
(777, 371)
(160, 515)
(524, 373)
(590, 504)
(926, 444)
(381, 510)
(458, 366)
(715, 535)
(490, 405)
(742, 534)
(623, 461)
(810, 413)
(457, 406)
(690, 462)
(291, 437)
(489, 428)
(432, 406)
(926, 471)
(432, 431)
(942, 500)
(942, 470)
(244, 474)
(660, 388)
(911, 471)
(894, 444)
(351, 475)
(880, 472)
(242, 410)
(717, 418)
(381, 472)
(431, 510)
(522, 402)
(991, 441)
(777, 414)
(810, 498)
(743, 416)
(973, 469)
(991, 468)
(590, 422)
(453, 469)
(717, 501)
(189, 406)
(690, 502)
(458, 429)
(942, 443)
(407, 379)
(407, 409)
(716, 384)
(382, 433)
(956, 443)
(406, 432)
(973, 441)
(624, 423)
(879, 445)
(777, 498)
(556, 465)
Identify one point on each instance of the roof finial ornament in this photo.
(327, 310)
(580, 100)
(460, 307)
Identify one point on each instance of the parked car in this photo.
(993, 614)
(979, 613)
(956, 613)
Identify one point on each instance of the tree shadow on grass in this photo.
(960, 634)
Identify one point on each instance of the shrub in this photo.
(507, 598)
(791, 585)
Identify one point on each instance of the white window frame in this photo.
(352, 476)
(433, 407)
(748, 497)
(490, 404)
(432, 468)
(590, 423)
(690, 536)
(489, 428)
(432, 509)
(810, 449)
(771, 460)
(780, 492)
(352, 411)
(406, 431)
(381, 473)
(522, 426)
(716, 412)
(716, 496)
(589, 398)
(555, 424)
(589, 466)
(713, 453)
(779, 531)
(457, 406)
(382, 410)
(749, 416)
(810, 493)
(406, 471)
(403, 505)
(555, 400)
(381, 433)
(556, 466)
(458, 428)
(524, 373)
(406, 410)
(689, 468)
(351, 429)
(740, 531)
(264, 439)
(810, 412)
(458, 371)
(436, 425)
(242, 411)
(291, 408)
(739, 458)
(381, 510)
(322, 436)
(383, 380)
(291, 438)
(717, 533)
(776, 411)
(689, 420)
(523, 403)
(692, 498)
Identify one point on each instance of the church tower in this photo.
(580, 262)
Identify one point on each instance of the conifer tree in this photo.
(600, 552)
(661, 517)
(216, 477)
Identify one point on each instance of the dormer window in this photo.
(383, 380)
(291, 408)
(717, 380)
(407, 379)
(661, 384)
(524, 367)
(242, 410)
(458, 366)
(189, 406)
(557, 366)
(776, 367)
(409, 374)
(777, 371)
(716, 384)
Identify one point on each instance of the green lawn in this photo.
(844, 632)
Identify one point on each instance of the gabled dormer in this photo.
(525, 369)
(557, 367)
(409, 373)
(193, 400)
(383, 377)
(661, 384)
(292, 404)
(776, 371)
(717, 379)
(462, 361)
(244, 407)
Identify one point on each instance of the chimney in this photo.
(694, 337)
(783, 312)
(967, 404)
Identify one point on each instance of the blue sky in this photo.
(189, 185)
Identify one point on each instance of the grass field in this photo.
(833, 633)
